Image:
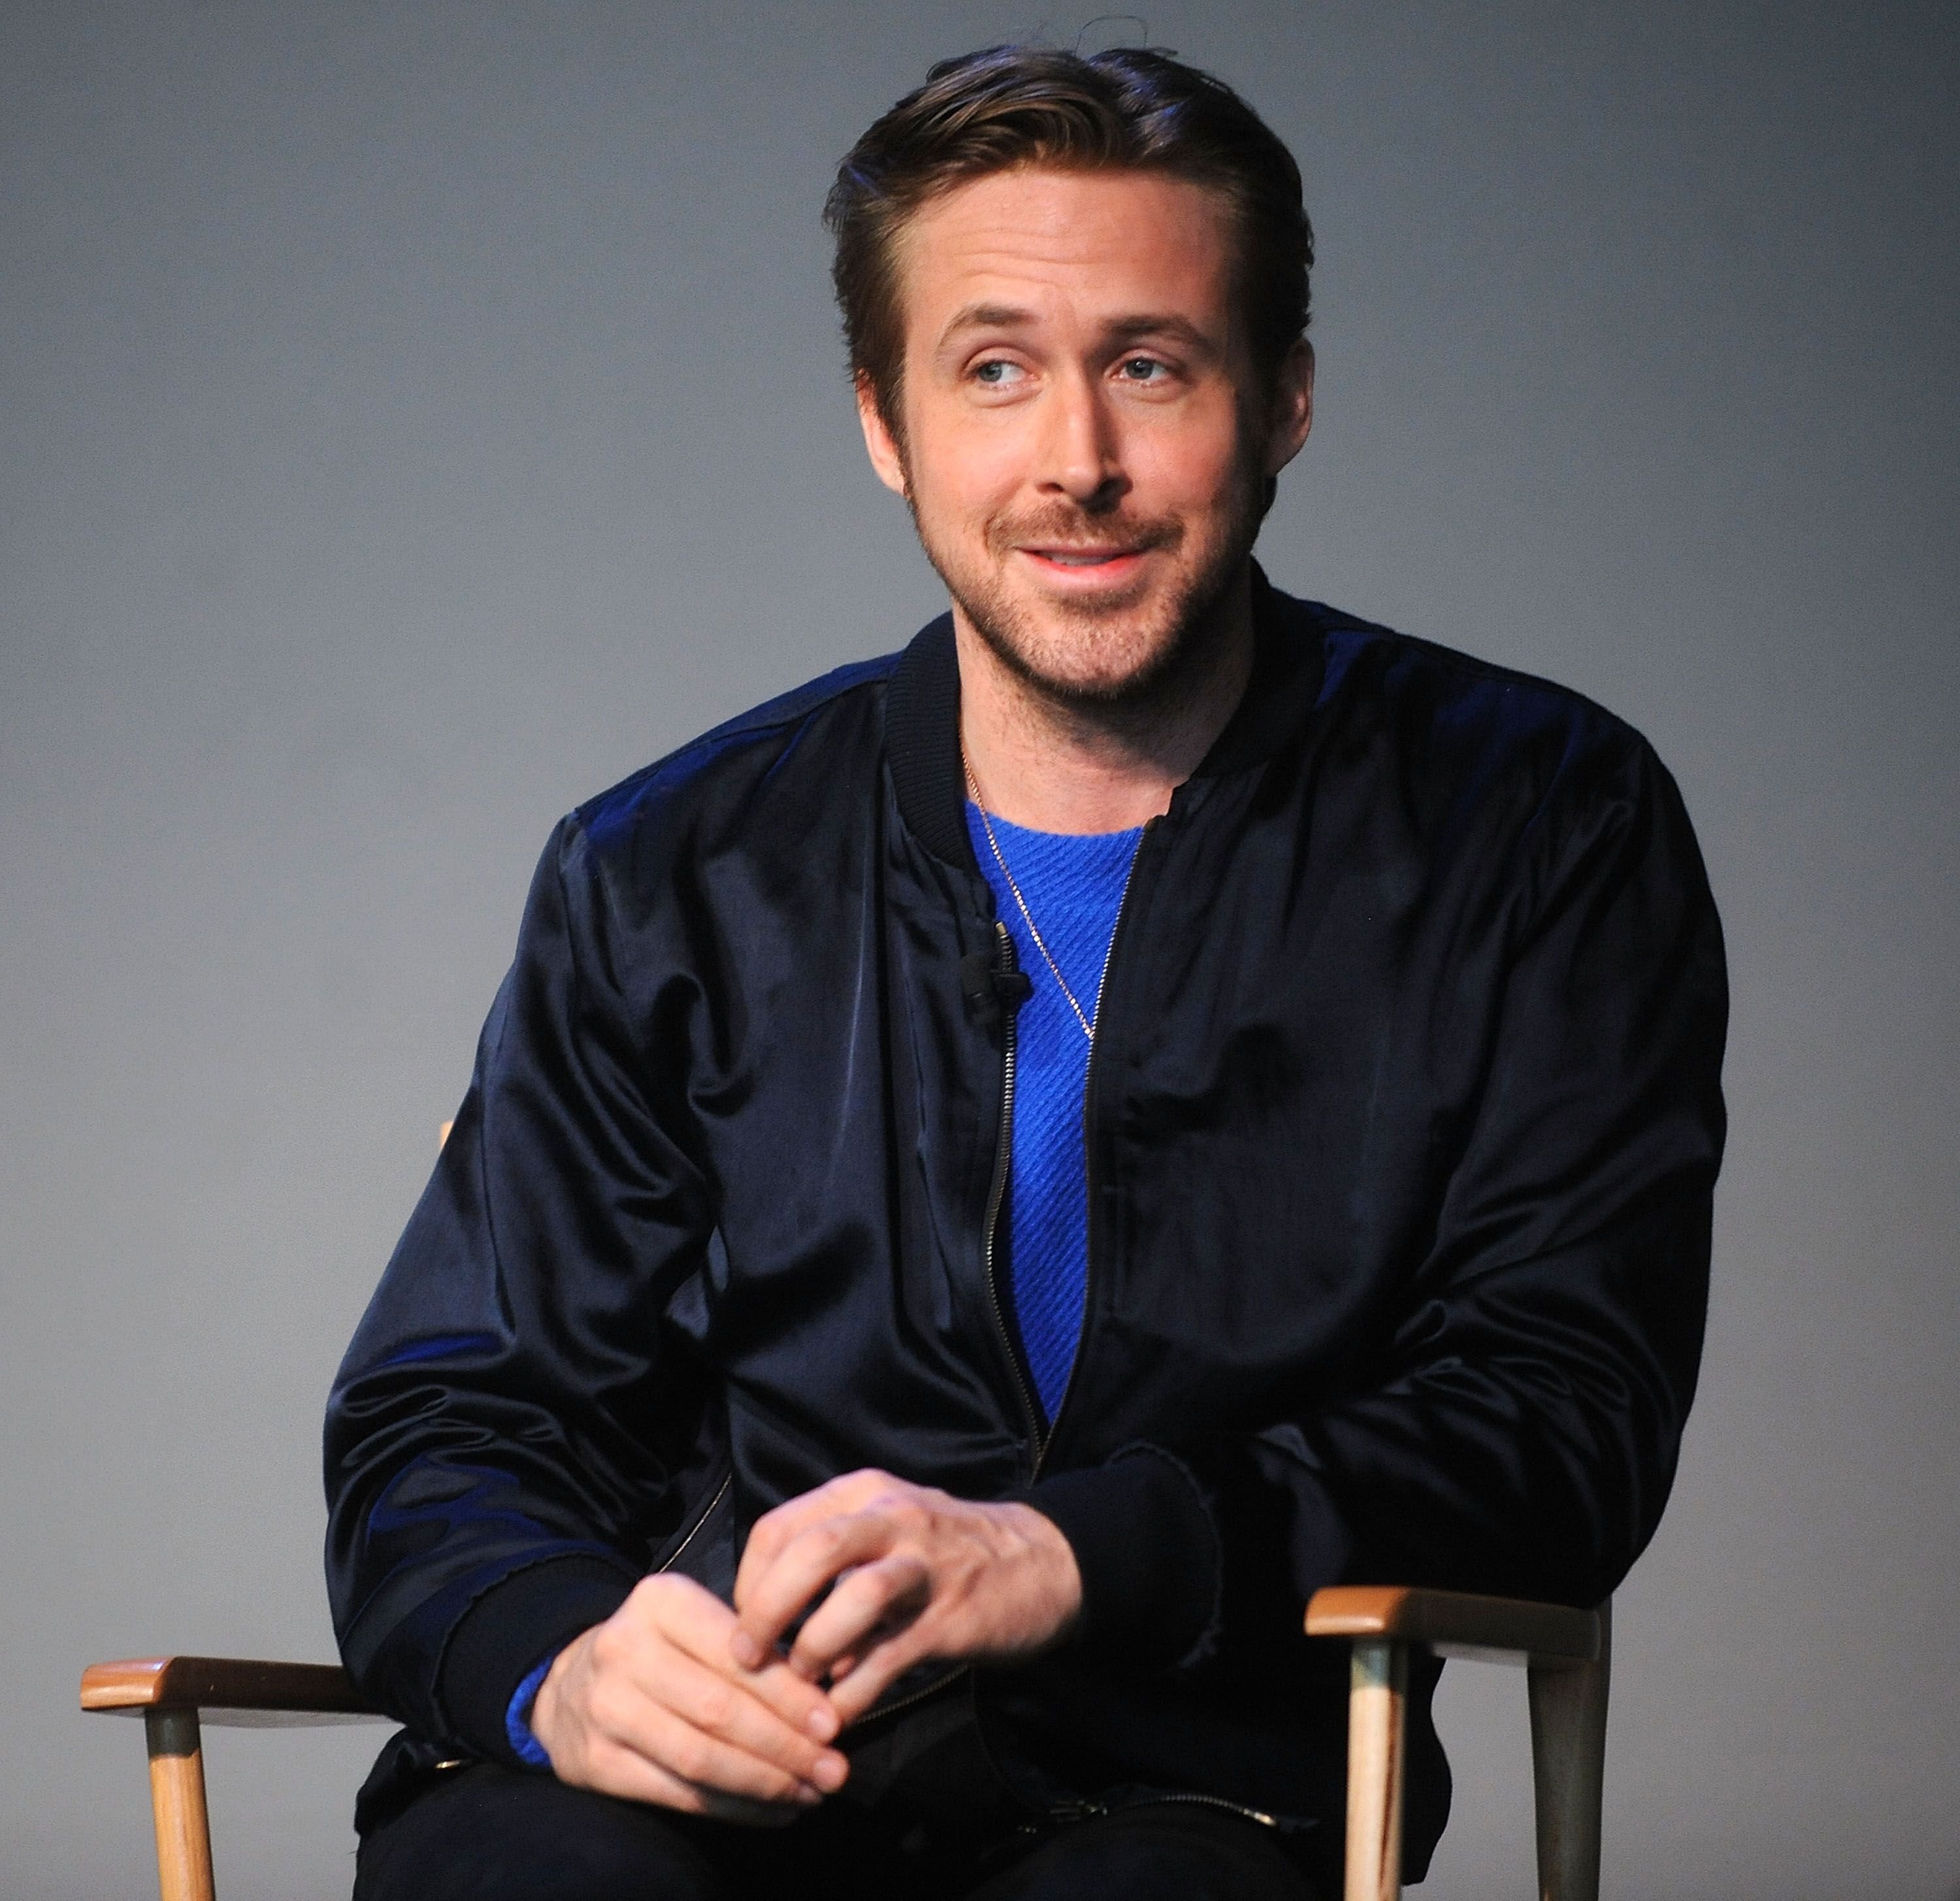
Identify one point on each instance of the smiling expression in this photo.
(1084, 440)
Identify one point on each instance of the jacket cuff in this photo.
(508, 1632)
(1148, 1553)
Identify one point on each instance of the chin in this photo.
(1108, 654)
(1103, 659)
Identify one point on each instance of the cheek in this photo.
(969, 473)
(1192, 472)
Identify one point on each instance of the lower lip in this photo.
(1112, 572)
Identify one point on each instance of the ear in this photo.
(1292, 413)
(880, 444)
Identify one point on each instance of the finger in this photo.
(613, 1769)
(618, 1714)
(696, 1623)
(720, 1706)
(868, 1604)
(744, 1813)
(878, 1669)
(776, 1530)
(709, 1761)
(812, 1559)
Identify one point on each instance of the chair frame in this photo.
(176, 1696)
(1567, 1653)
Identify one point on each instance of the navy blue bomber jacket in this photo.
(1402, 1125)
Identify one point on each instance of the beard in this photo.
(1127, 655)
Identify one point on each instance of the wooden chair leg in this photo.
(177, 1796)
(1377, 1702)
(1568, 1722)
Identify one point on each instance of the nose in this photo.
(1081, 455)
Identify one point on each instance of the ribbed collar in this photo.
(922, 715)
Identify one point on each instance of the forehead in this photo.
(1067, 244)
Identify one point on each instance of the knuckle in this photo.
(611, 1768)
(687, 1757)
(717, 1708)
(906, 1649)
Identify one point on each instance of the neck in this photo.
(1055, 765)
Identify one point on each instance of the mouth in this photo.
(1098, 563)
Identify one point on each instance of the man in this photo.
(993, 1177)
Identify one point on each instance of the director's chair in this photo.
(1566, 1652)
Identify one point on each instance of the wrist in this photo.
(1148, 1556)
(1059, 1577)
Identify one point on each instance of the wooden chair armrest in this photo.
(1457, 1623)
(226, 1690)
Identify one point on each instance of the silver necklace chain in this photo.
(1089, 1021)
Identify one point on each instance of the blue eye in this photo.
(1141, 369)
(996, 372)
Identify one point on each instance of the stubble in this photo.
(1122, 662)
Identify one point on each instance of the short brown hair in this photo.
(1131, 108)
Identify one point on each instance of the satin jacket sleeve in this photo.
(504, 1449)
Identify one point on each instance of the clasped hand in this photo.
(676, 1699)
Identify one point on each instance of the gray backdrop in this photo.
(415, 417)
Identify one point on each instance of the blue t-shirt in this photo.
(1073, 883)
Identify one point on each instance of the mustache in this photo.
(1074, 530)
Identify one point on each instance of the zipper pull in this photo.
(1077, 1808)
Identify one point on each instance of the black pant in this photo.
(491, 1834)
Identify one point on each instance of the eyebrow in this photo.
(1009, 316)
(986, 316)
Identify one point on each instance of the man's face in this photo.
(1084, 442)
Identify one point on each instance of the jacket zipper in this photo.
(996, 1189)
(694, 1530)
(879, 1711)
(1206, 1801)
(1085, 1808)
(1043, 1443)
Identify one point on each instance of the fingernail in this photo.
(806, 1797)
(747, 1652)
(829, 1773)
(822, 1722)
